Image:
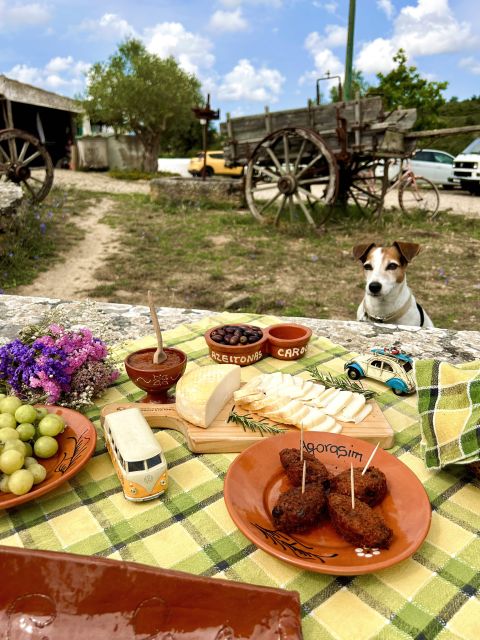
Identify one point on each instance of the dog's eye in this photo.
(391, 266)
(368, 267)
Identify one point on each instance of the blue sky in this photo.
(247, 53)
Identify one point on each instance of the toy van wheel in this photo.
(353, 374)
(398, 392)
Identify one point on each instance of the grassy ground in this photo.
(201, 255)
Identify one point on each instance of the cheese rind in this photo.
(202, 393)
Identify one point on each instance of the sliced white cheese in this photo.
(245, 396)
(356, 403)
(338, 402)
(326, 397)
(202, 393)
(365, 411)
(326, 423)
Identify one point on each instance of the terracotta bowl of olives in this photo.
(245, 344)
(241, 344)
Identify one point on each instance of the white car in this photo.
(467, 167)
(434, 165)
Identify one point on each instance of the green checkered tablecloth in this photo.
(430, 595)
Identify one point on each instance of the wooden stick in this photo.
(159, 356)
(301, 443)
(352, 486)
(370, 458)
(304, 473)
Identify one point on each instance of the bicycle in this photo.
(414, 192)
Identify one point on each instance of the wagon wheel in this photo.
(291, 171)
(25, 161)
(367, 186)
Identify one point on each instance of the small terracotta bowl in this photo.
(155, 379)
(288, 341)
(241, 354)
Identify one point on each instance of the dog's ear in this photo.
(360, 251)
(408, 250)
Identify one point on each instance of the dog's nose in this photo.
(374, 287)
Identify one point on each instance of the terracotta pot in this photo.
(241, 354)
(155, 379)
(288, 341)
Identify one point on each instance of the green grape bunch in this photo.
(27, 434)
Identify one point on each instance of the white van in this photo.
(136, 454)
(466, 167)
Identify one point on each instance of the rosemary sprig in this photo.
(247, 422)
(340, 382)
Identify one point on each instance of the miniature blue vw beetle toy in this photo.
(388, 365)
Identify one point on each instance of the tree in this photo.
(359, 85)
(405, 88)
(136, 91)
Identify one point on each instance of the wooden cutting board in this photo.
(223, 437)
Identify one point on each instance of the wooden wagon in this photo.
(36, 126)
(300, 160)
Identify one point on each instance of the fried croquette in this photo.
(315, 471)
(361, 526)
(370, 488)
(297, 511)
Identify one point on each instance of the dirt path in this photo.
(93, 181)
(69, 280)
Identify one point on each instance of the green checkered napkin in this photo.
(449, 408)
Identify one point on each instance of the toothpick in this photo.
(301, 443)
(304, 473)
(352, 486)
(370, 458)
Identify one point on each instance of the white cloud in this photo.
(276, 4)
(110, 26)
(18, 15)
(471, 64)
(387, 7)
(193, 52)
(245, 82)
(228, 21)
(59, 74)
(324, 59)
(427, 28)
(329, 7)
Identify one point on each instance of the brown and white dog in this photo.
(388, 298)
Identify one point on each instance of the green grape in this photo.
(29, 460)
(20, 482)
(44, 447)
(26, 431)
(28, 449)
(9, 404)
(17, 445)
(41, 413)
(51, 425)
(9, 433)
(7, 421)
(39, 473)
(4, 483)
(11, 461)
(26, 413)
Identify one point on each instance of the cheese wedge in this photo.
(202, 393)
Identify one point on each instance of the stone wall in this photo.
(178, 189)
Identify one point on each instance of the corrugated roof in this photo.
(27, 94)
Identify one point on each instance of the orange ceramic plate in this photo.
(256, 478)
(76, 447)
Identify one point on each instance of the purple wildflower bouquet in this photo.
(56, 365)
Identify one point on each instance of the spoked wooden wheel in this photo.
(367, 186)
(26, 162)
(419, 194)
(291, 173)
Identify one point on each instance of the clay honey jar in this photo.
(288, 341)
(155, 379)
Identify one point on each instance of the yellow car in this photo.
(215, 165)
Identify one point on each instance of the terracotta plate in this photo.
(76, 447)
(256, 478)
